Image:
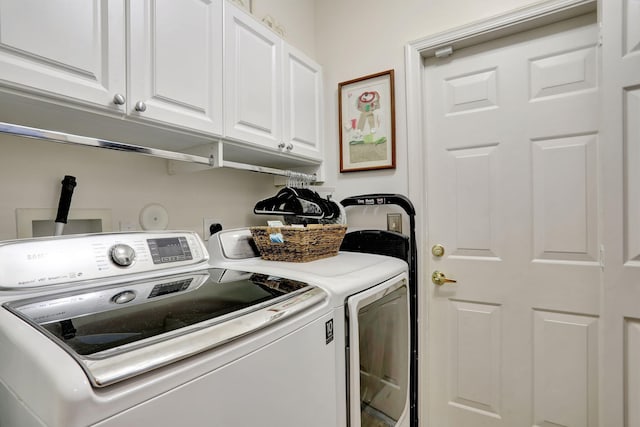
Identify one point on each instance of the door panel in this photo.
(565, 369)
(564, 198)
(632, 194)
(631, 370)
(512, 179)
(475, 374)
(621, 165)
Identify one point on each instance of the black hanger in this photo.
(291, 201)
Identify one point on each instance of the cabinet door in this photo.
(253, 81)
(302, 104)
(175, 63)
(65, 49)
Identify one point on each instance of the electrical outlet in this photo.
(128, 225)
(394, 222)
(206, 227)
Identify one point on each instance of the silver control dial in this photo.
(123, 255)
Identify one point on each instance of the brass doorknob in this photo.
(439, 278)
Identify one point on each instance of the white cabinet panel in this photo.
(253, 81)
(302, 104)
(272, 92)
(175, 62)
(72, 49)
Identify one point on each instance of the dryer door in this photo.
(379, 355)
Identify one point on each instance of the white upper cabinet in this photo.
(175, 63)
(273, 92)
(253, 81)
(302, 104)
(203, 68)
(66, 49)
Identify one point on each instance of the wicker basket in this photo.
(297, 244)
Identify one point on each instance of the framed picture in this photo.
(367, 123)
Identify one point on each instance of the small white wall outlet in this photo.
(128, 225)
(206, 227)
(394, 222)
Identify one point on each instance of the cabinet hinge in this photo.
(602, 257)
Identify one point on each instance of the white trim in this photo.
(478, 32)
(504, 25)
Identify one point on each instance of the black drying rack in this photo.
(397, 245)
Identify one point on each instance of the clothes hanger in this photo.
(283, 203)
(290, 201)
(296, 199)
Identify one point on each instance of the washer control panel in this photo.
(32, 263)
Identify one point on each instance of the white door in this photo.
(302, 104)
(621, 196)
(175, 63)
(71, 50)
(512, 159)
(252, 81)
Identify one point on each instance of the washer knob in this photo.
(123, 255)
(123, 297)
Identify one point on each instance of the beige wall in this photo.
(31, 172)
(295, 17)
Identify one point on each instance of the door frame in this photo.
(416, 52)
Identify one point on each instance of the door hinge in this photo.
(602, 257)
(600, 35)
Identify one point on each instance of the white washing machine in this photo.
(130, 329)
(369, 297)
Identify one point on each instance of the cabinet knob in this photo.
(289, 147)
(119, 99)
(141, 106)
(281, 145)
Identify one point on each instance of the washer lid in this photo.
(119, 331)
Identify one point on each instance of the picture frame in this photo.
(366, 109)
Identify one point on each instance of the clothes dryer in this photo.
(369, 298)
